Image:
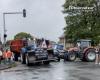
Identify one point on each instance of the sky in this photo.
(44, 18)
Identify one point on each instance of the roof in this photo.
(84, 40)
(62, 36)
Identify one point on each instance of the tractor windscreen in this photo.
(84, 44)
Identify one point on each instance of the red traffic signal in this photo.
(24, 12)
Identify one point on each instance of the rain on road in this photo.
(54, 71)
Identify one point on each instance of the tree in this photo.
(80, 23)
(23, 35)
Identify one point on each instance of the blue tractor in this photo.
(31, 54)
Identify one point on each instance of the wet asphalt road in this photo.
(54, 71)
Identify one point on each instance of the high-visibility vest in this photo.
(4, 54)
(9, 54)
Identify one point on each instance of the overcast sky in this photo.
(44, 18)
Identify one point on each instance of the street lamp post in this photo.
(4, 26)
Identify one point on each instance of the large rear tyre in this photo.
(90, 55)
(72, 56)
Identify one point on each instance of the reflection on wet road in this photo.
(54, 71)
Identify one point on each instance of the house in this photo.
(65, 42)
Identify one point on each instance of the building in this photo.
(63, 40)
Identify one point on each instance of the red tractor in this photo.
(83, 50)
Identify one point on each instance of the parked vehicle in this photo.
(83, 50)
(58, 46)
(59, 50)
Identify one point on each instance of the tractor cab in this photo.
(83, 43)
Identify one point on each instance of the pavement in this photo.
(7, 65)
(77, 70)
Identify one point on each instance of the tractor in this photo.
(83, 50)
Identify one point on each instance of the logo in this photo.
(81, 8)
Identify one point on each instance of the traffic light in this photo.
(5, 35)
(24, 12)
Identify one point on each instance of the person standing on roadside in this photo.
(0, 56)
(5, 56)
(97, 60)
(9, 55)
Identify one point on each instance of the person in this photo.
(23, 53)
(97, 60)
(5, 56)
(9, 55)
(0, 56)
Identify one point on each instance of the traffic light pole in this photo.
(4, 25)
(4, 29)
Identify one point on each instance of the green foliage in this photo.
(81, 24)
(23, 35)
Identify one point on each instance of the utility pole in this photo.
(4, 24)
(4, 30)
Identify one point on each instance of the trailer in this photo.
(15, 47)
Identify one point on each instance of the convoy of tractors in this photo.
(44, 52)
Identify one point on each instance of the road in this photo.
(54, 71)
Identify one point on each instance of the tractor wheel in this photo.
(72, 56)
(90, 55)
